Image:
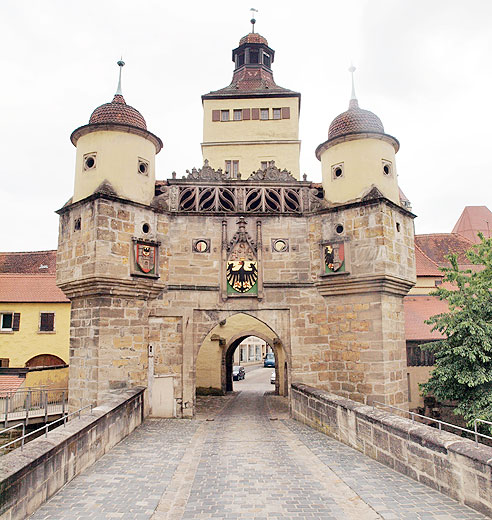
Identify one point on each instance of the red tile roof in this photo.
(28, 288)
(425, 266)
(417, 310)
(355, 120)
(437, 245)
(28, 262)
(254, 82)
(10, 383)
(118, 112)
(472, 220)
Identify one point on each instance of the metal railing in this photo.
(33, 402)
(46, 427)
(440, 423)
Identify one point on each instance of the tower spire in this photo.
(121, 64)
(253, 19)
(353, 98)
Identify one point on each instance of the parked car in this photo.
(272, 378)
(269, 360)
(238, 373)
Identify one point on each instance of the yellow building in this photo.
(252, 123)
(34, 320)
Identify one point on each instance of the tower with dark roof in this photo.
(358, 156)
(115, 152)
(252, 121)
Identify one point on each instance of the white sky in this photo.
(424, 67)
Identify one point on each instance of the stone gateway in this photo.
(166, 278)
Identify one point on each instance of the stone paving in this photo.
(242, 458)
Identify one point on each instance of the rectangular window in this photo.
(224, 115)
(264, 113)
(277, 113)
(242, 356)
(47, 322)
(246, 113)
(232, 168)
(215, 115)
(255, 113)
(267, 60)
(285, 113)
(253, 56)
(4, 362)
(238, 115)
(7, 321)
(240, 59)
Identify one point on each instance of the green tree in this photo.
(463, 368)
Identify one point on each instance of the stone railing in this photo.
(30, 477)
(441, 460)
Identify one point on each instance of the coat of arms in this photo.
(145, 256)
(242, 264)
(334, 257)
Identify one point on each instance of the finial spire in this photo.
(253, 19)
(121, 64)
(353, 98)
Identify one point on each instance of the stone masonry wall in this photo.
(46, 464)
(441, 460)
(344, 332)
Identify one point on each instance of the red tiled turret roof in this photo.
(355, 120)
(253, 38)
(118, 112)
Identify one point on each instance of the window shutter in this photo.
(246, 113)
(255, 113)
(16, 324)
(285, 112)
(215, 115)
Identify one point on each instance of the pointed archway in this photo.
(214, 360)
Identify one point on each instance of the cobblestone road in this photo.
(243, 458)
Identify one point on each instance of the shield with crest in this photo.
(242, 270)
(334, 257)
(145, 257)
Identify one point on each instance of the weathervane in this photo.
(121, 64)
(352, 70)
(253, 19)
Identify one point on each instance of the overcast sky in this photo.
(423, 66)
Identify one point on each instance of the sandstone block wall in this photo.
(30, 477)
(441, 460)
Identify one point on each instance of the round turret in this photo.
(358, 156)
(115, 150)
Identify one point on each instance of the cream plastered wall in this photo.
(48, 378)
(362, 168)
(239, 140)
(117, 156)
(424, 285)
(209, 359)
(250, 156)
(22, 345)
(415, 376)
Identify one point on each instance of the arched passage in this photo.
(214, 360)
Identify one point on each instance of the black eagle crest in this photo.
(242, 275)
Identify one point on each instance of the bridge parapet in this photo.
(48, 463)
(444, 461)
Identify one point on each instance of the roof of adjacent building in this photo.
(417, 310)
(438, 245)
(118, 112)
(424, 265)
(30, 262)
(472, 220)
(10, 383)
(355, 120)
(30, 288)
